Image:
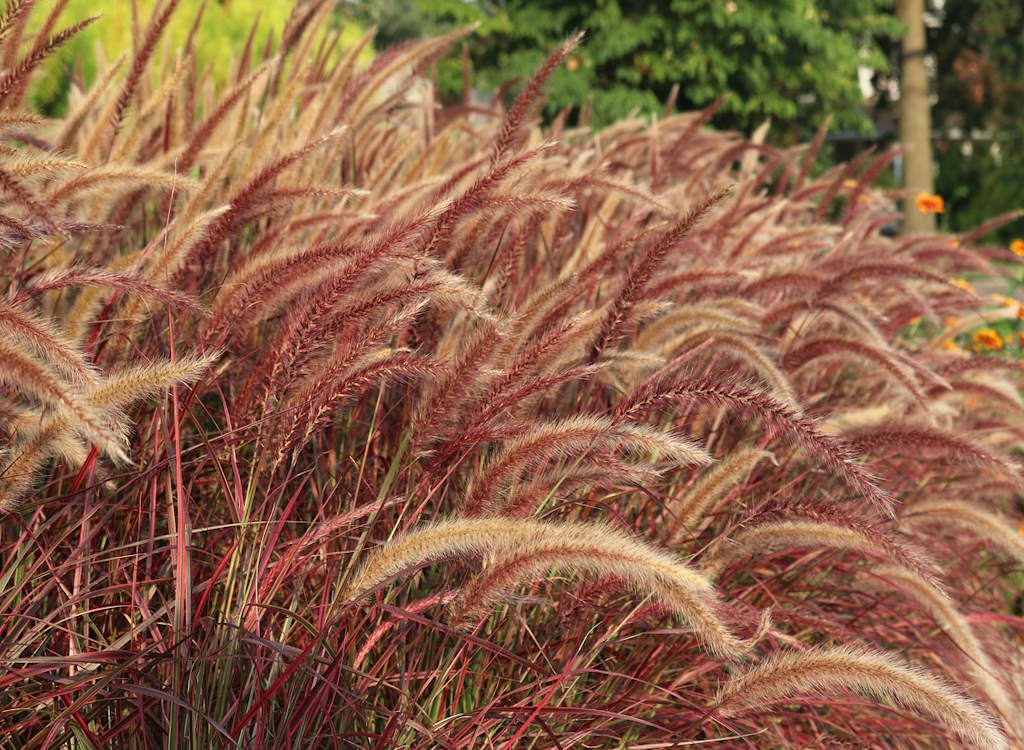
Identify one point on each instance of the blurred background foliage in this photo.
(796, 62)
(220, 39)
(978, 108)
(793, 61)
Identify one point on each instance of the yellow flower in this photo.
(962, 284)
(849, 183)
(1017, 246)
(950, 346)
(987, 338)
(929, 203)
(915, 320)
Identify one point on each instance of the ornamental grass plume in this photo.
(946, 614)
(770, 537)
(331, 416)
(710, 488)
(986, 524)
(880, 676)
(518, 551)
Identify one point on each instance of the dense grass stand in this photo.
(330, 418)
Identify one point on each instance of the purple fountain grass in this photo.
(333, 417)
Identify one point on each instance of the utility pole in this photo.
(915, 118)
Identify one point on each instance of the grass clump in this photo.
(332, 418)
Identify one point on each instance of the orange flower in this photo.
(950, 346)
(1017, 246)
(951, 321)
(572, 63)
(988, 338)
(929, 203)
(962, 284)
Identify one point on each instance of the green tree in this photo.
(795, 61)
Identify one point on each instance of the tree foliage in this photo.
(795, 61)
(980, 93)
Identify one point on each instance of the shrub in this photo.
(315, 403)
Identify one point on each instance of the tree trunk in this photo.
(915, 118)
